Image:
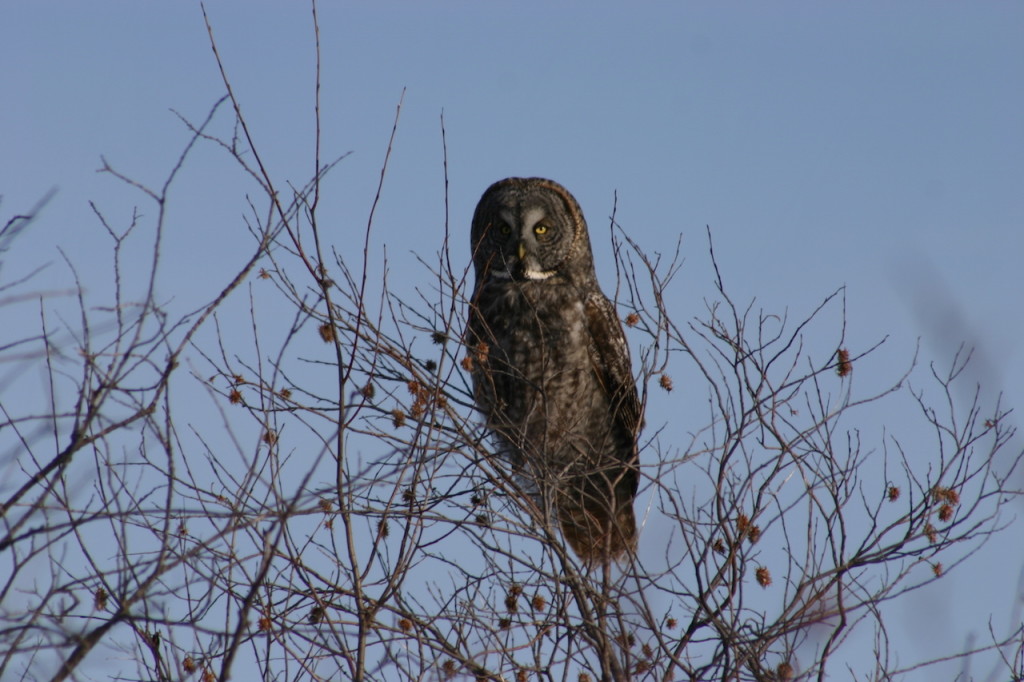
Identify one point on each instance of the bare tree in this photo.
(290, 482)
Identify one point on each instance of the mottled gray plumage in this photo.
(550, 364)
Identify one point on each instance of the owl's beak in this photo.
(522, 250)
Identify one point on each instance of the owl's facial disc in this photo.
(521, 238)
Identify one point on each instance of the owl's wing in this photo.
(610, 356)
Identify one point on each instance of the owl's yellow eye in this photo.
(540, 229)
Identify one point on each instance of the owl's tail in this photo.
(600, 528)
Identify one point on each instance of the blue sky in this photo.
(874, 145)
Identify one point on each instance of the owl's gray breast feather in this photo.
(553, 350)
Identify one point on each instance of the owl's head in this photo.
(530, 229)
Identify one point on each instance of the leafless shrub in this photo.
(310, 494)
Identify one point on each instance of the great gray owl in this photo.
(550, 365)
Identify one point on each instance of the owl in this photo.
(550, 365)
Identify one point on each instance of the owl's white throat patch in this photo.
(530, 273)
